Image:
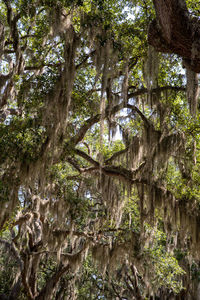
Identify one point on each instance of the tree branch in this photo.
(174, 31)
(87, 157)
(48, 289)
(116, 154)
(156, 90)
(115, 171)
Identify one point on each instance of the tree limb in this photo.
(116, 154)
(156, 90)
(174, 31)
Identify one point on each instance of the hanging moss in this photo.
(151, 65)
(192, 90)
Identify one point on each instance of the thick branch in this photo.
(115, 171)
(85, 59)
(174, 31)
(87, 157)
(39, 67)
(142, 116)
(123, 173)
(116, 154)
(82, 131)
(52, 282)
(156, 90)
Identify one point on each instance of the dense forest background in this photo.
(99, 149)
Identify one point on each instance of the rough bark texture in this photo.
(175, 31)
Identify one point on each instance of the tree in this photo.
(99, 150)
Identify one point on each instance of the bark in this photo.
(175, 31)
(50, 287)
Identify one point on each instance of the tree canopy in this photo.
(99, 149)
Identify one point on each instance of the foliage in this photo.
(99, 155)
